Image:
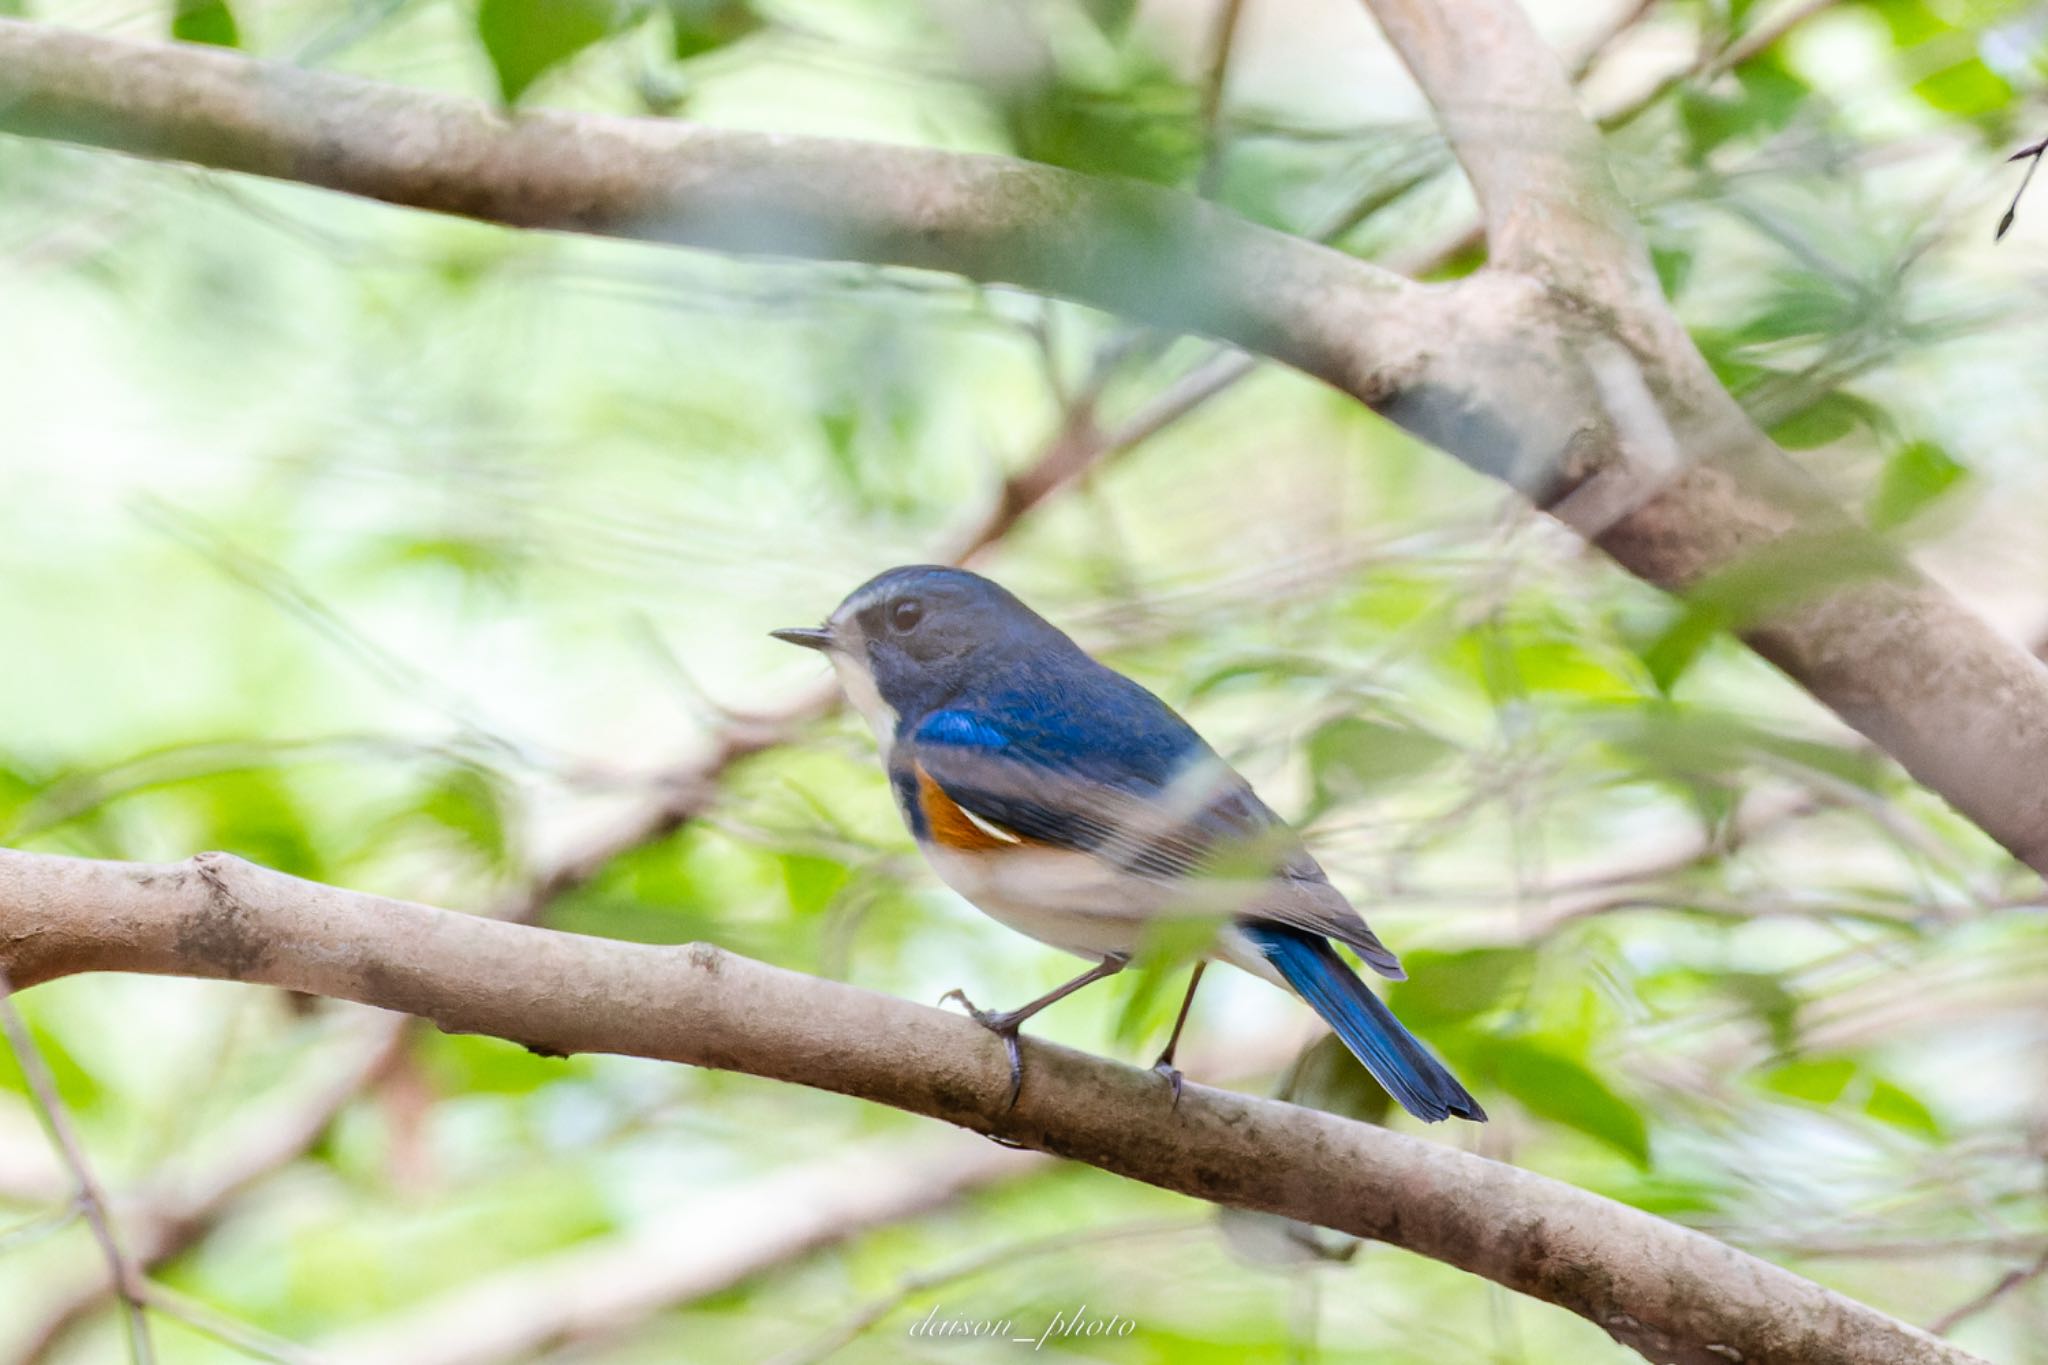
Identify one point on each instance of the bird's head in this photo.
(910, 639)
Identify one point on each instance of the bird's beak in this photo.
(810, 637)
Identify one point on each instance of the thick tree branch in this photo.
(1134, 249)
(1673, 1294)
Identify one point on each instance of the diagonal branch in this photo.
(1671, 1293)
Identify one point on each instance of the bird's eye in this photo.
(905, 614)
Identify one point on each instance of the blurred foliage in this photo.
(416, 556)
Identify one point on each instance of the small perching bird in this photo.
(1072, 805)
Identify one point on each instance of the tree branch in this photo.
(1139, 250)
(1853, 621)
(1673, 1294)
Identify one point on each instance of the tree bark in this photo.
(1673, 1294)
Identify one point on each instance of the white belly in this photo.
(1082, 905)
(1074, 902)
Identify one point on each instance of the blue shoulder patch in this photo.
(961, 729)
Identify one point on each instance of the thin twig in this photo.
(1222, 45)
(1711, 62)
(250, 1340)
(2007, 1283)
(1593, 53)
(92, 1199)
(31, 1230)
(2032, 156)
(173, 1209)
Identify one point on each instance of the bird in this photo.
(1069, 803)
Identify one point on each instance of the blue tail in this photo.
(1395, 1057)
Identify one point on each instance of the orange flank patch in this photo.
(953, 827)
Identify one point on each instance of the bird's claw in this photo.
(1172, 1075)
(1004, 1025)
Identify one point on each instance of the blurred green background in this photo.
(417, 555)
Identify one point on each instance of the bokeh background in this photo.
(435, 559)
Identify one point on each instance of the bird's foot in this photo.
(1164, 1067)
(1004, 1025)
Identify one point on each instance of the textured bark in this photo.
(1672, 1294)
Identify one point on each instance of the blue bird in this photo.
(1069, 803)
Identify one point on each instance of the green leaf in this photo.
(254, 812)
(1829, 1081)
(1112, 17)
(1826, 419)
(1444, 988)
(1766, 996)
(469, 1064)
(1767, 96)
(1914, 479)
(1681, 643)
(1140, 123)
(524, 38)
(1674, 268)
(469, 803)
(1967, 89)
(812, 881)
(701, 26)
(1771, 579)
(1816, 1080)
(205, 21)
(1559, 1088)
(1171, 944)
(1351, 757)
(1901, 1109)
(76, 1087)
(1693, 743)
(1325, 1076)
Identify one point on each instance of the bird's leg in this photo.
(1005, 1023)
(1164, 1066)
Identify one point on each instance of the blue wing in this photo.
(1151, 795)
(1110, 770)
